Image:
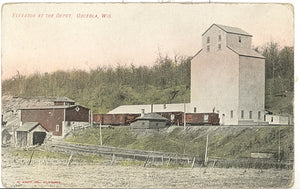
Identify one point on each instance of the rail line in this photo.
(72, 148)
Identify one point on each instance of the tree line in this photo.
(167, 81)
(105, 88)
(279, 93)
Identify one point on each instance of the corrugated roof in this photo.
(63, 99)
(137, 109)
(246, 52)
(151, 116)
(28, 126)
(229, 29)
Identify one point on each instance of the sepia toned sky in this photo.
(57, 37)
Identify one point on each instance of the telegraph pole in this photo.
(100, 132)
(184, 117)
(279, 144)
(206, 150)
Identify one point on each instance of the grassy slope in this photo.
(224, 142)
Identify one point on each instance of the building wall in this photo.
(225, 82)
(252, 88)
(214, 84)
(214, 41)
(49, 118)
(156, 124)
(277, 120)
(233, 41)
(82, 115)
(140, 124)
(22, 138)
(25, 138)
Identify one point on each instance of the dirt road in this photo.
(107, 176)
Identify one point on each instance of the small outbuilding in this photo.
(277, 119)
(150, 121)
(30, 133)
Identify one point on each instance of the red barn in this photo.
(56, 118)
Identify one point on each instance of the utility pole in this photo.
(206, 151)
(279, 144)
(100, 132)
(184, 117)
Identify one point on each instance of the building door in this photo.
(38, 138)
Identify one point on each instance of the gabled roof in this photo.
(151, 116)
(229, 29)
(50, 107)
(246, 52)
(196, 53)
(29, 126)
(63, 99)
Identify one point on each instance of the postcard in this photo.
(147, 95)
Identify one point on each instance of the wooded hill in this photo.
(167, 81)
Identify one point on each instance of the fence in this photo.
(165, 158)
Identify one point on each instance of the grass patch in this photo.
(56, 155)
(224, 142)
(118, 137)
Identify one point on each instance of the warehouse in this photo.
(58, 118)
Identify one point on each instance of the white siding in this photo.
(224, 81)
(252, 86)
(214, 83)
(213, 35)
(233, 41)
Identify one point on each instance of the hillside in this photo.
(105, 88)
(224, 141)
(167, 81)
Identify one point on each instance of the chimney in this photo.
(143, 113)
(151, 108)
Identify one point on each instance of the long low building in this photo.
(148, 108)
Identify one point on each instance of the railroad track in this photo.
(72, 148)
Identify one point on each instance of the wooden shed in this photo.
(150, 121)
(30, 133)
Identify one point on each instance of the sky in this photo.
(65, 36)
